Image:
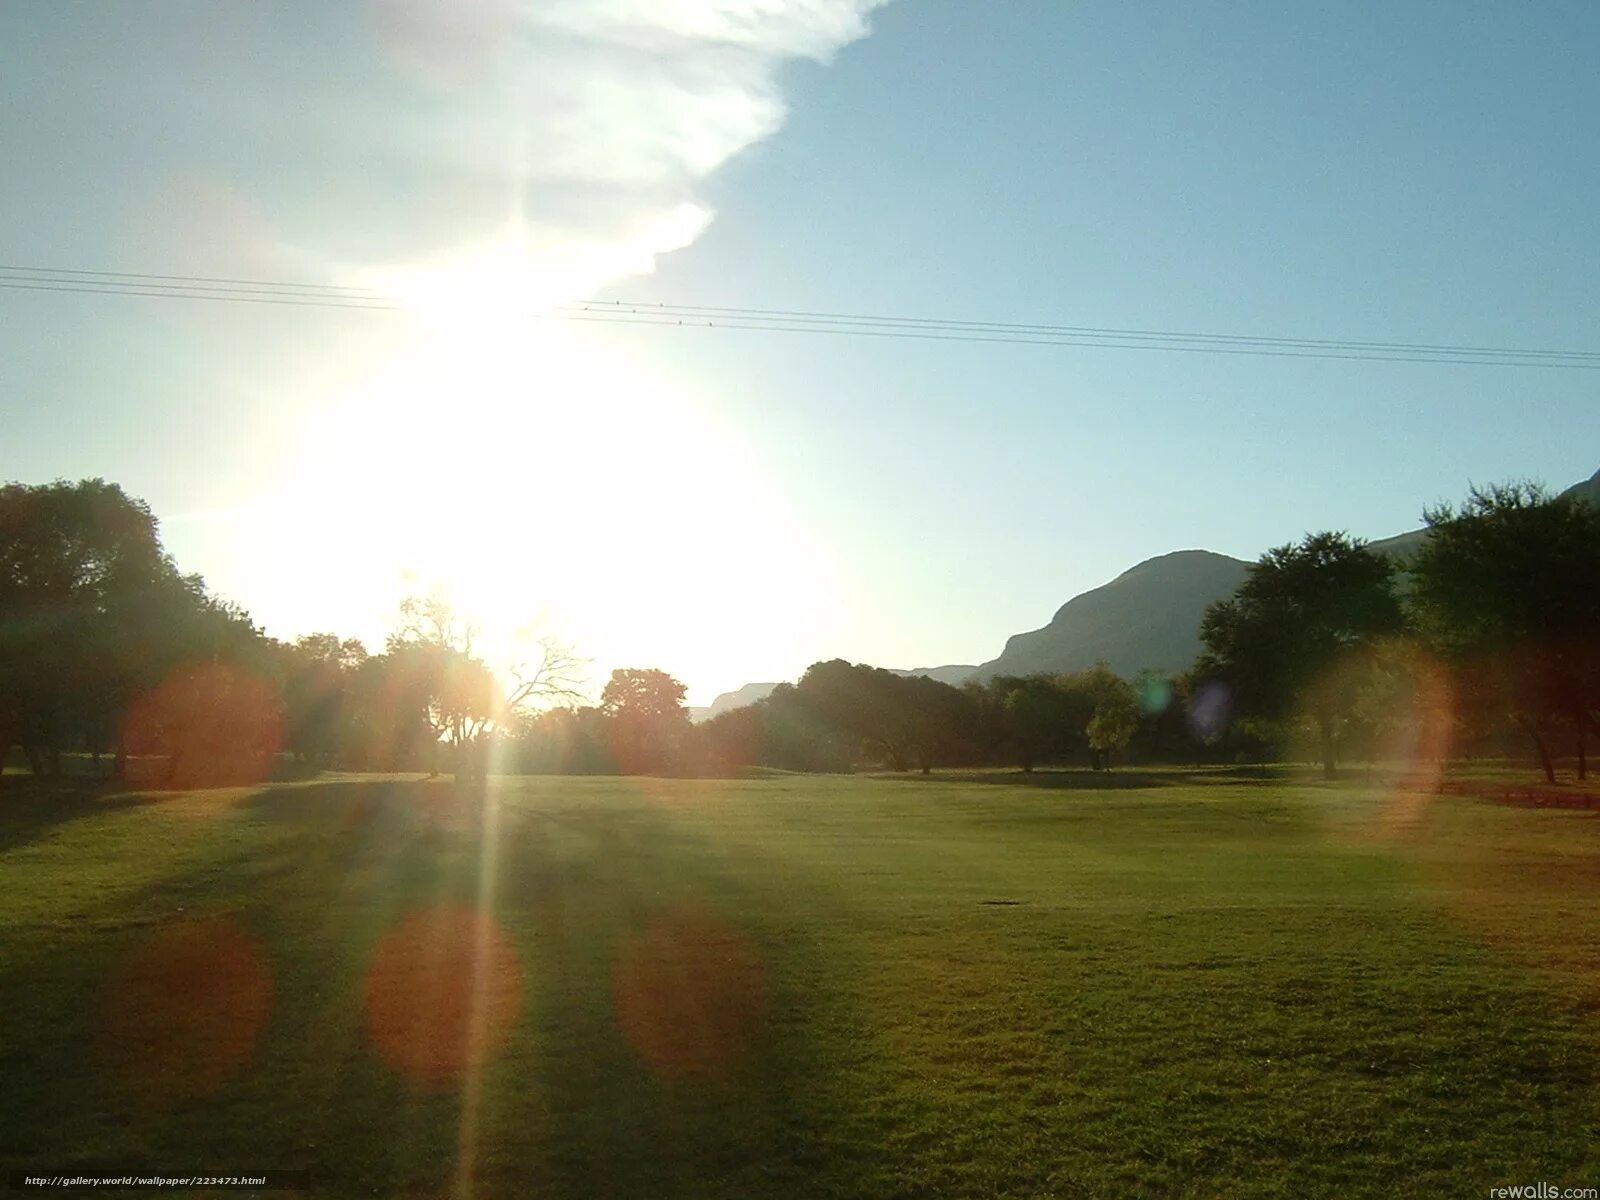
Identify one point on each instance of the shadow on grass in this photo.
(31, 808)
(622, 918)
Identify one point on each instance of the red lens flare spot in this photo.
(182, 1012)
(211, 723)
(442, 994)
(690, 995)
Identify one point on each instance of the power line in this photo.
(1065, 330)
(1101, 344)
(321, 287)
(241, 297)
(18, 277)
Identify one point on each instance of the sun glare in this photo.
(538, 472)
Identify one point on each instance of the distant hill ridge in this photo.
(1146, 618)
(728, 701)
(1403, 545)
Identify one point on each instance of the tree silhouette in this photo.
(1507, 588)
(463, 700)
(1291, 639)
(94, 616)
(648, 719)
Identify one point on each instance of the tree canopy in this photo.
(1305, 617)
(1507, 589)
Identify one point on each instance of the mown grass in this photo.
(1157, 984)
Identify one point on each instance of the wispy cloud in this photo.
(576, 136)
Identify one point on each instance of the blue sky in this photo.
(740, 504)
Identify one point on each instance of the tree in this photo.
(944, 720)
(214, 723)
(1293, 636)
(1163, 708)
(319, 680)
(1507, 589)
(797, 737)
(1104, 712)
(648, 720)
(1115, 719)
(463, 700)
(732, 739)
(94, 616)
(1040, 715)
(896, 719)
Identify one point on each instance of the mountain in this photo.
(955, 675)
(1588, 490)
(1401, 546)
(728, 701)
(1149, 616)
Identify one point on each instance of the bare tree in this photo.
(465, 700)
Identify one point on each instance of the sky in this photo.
(732, 505)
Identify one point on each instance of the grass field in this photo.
(1189, 984)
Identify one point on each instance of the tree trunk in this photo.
(119, 767)
(35, 760)
(1580, 718)
(1325, 741)
(1544, 751)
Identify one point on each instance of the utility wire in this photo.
(17, 277)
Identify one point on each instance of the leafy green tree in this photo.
(388, 727)
(319, 680)
(649, 723)
(1105, 712)
(1040, 716)
(1293, 638)
(1507, 589)
(733, 739)
(1163, 712)
(943, 720)
(899, 720)
(94, 618)
(1115, 721)
(797, 737)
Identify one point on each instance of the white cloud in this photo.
(575, 135)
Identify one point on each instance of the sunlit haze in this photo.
(732, 505)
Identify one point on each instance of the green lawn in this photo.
(1187, 985)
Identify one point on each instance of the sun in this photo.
(539, 472)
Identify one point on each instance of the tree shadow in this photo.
(33, 808)
(624, 919)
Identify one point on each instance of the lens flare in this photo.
(1209, 711)
(690, 995)
(1155, 695)
(214, 724)
(183, 1011)
(442, 993)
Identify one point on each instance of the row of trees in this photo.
(841, 716)
(1488, 636)
(107, 649)
(1493, 628)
